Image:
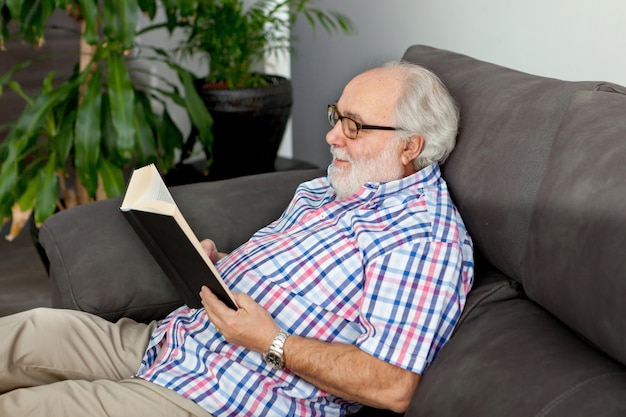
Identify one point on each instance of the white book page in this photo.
(147, 192)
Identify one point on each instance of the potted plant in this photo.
(250, 109)
(78, 137)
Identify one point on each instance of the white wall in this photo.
(567, 39)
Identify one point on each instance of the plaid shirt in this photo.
(387, 270)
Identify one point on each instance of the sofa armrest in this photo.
(99, 265)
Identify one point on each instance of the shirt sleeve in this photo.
(413, 297)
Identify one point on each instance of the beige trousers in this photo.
(69, 363)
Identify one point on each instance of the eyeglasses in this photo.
(350, 127)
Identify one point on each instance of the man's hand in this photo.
(211, 249)
(251, 326)
(341, 369)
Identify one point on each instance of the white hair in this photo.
(427, 109)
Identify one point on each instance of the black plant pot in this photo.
(248, 126)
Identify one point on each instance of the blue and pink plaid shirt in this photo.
(387, 269)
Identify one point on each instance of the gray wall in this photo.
(567, 39)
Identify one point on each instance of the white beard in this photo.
(382, 167)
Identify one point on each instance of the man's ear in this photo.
(412, 148)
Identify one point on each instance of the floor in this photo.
(23, 278)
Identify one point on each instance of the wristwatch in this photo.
(274, 354)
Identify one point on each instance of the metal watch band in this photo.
(274, 354)
(279, 340)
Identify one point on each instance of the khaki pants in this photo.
(68, 363)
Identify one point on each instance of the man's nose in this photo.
(335, 135)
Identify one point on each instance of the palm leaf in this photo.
(112, 178)
(119, 21)
(47, 195)
(121, 102)
(198, 112)
(89, 10)
(87, 134)
(145, 149)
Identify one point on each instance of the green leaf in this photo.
(64, 139)
(119, 21)
(5, 210)
(170, 5)
(27, 199)
(121, 102)
(15, 8)
(89, 10)
(46, 84)
(30, 183)
(110, 149)
(87, 134)
(109, 137)
(187, 7)
(146, 149)
(34, 18)
(171, 13)
(45, 203)
(17, 89)
(35, 114)
(149, 7)
(112, 178)
(6, 77)
(4, 35)
(8, 179)
(170, 138)
(198, 112)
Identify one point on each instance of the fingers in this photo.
(209, 300)
(214, 307)
(251, 326)
(210, 248)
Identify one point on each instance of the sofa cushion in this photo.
(576, 266)
(99, 265)
(512, 358)
(508, 121)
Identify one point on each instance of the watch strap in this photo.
(274, 354)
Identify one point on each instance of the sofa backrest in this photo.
(539, 176)
(575, 262)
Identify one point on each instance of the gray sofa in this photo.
(539, 175)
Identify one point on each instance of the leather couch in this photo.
(539, 176)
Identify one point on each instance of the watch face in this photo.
(274, 360)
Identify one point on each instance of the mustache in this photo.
(340, 154)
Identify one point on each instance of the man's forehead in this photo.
(375, 91)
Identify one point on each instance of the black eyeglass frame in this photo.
(332, 110)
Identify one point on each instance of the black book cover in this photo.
(177, 256)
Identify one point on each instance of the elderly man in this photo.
(344, 300)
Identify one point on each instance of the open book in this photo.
(150, 209)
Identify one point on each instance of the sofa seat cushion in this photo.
(515, 359)
(99, 265)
